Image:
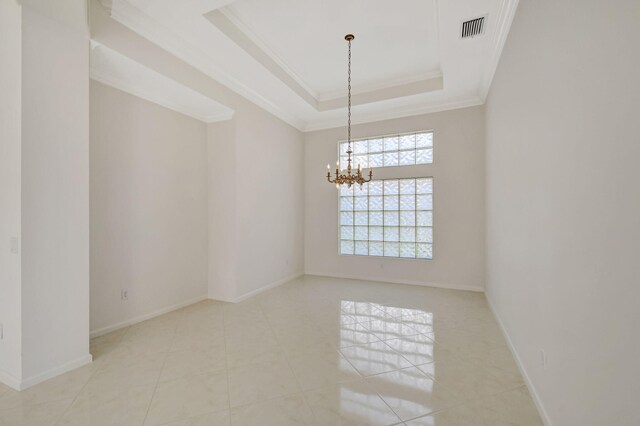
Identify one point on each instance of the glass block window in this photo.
(389, 151)
(391, 218)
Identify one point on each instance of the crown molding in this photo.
(221, 116)
(130, 16)
(395, 113)
(388, 84)
(249, 46)
(390, 92)
(209, 5)
(504, 18)
(110, 67)
(227, 21)
(229, 13)
(139, 22)
(154, 98)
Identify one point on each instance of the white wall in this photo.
(256, 203)
(223, 229)
(10, 153)
(255, 175)
(459, 210)
(563, 222)
(55, 195)
(148, 207)
(270, 199)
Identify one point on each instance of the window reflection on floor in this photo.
(316, 350)
(379, 344)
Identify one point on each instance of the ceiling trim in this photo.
(384, 93)
(138, 21)
(229, 13)
(222, 116)
(130, 16)
(182, 109)
(227, 21)
(209, 5)
(505, 14)
(394, 113)
(339, 94)
(156, 97)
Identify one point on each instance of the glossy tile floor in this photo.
(314, 351)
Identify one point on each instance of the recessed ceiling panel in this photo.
(396, 41)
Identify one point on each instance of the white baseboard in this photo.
(267, 287)
(527, 379)
(259, 290)
(9, 380)
(140, 318)
(56, 371)
(398, 281)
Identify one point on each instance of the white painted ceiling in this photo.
(395, 40)
(289, 56)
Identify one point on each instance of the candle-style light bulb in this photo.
(328, 166)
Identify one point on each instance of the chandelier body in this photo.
(349, 178)
(353, 176)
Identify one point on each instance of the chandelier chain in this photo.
(349, 96)
(349, 179)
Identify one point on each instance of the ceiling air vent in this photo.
(472, 27)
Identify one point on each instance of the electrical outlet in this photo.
(543, 359)
(124, 295)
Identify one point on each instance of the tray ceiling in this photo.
(395, 41)
(289, 56)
